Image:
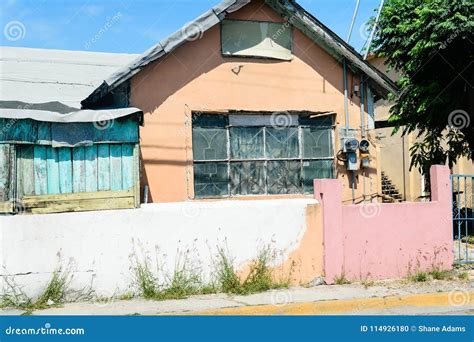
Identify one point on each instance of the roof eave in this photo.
(178, 38)
(296, 14)
(332, 43)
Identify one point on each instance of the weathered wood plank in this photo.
(52, 164)
(103, 165)
(22, 131)
(123, 130)
(4, 171)
(44, 133)
(27, 179)
(79, 196)
(91, 168)
(78, 170)
(116, 167)
(83, 205)
(13, 174)
(65, 170)
(40, 170)
(136, 174)
(6, 207)
(128, 177)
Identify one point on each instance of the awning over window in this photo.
(28, 131)
(256, 39)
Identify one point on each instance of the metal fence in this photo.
(463, 218)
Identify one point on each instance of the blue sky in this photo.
(132, 26)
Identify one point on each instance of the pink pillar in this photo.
(441, 194)
(440, 183)
(329, 193)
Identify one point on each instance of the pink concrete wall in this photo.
(386, 240)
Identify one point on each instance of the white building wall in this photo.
(99, 245)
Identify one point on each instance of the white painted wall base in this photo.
(99, 245)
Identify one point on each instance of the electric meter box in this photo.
(352, 164)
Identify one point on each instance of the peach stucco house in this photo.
(248, 101)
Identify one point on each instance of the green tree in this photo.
(431, 44)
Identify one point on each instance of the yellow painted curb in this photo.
(454, 298)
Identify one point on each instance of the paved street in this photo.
(392, 298)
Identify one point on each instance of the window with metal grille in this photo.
(256, 154)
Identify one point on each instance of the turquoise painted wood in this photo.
(39, 169)
(48, 170)
(26, 131)
(103, 160)
(23, 131)
(52, 162)
(44, 133)
(26, 173)
(124, 130)
(127, 166)
(65, 170)
(91, 168)
(115, 167)
(5, 152)
(78, 170)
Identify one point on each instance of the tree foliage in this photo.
(431, 44)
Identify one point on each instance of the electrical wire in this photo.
(353, 21)
(374, 27)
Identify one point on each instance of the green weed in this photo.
(54, 293)
(341, 280)
(260, 277)
(419, 277)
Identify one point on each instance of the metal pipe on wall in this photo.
(346, 111)
(346, 99)
(362, 106)
(362, 125)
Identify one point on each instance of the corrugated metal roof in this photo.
(186, 33)
(84, 115)
(300, 18)
(40, 75)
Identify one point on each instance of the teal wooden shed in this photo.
(58, 162)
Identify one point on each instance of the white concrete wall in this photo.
(99, 245)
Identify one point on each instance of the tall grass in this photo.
(186, 280)
(183, 282)
(54, 293)
(260, 276)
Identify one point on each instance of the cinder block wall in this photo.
(100, 246)
(386, 240)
